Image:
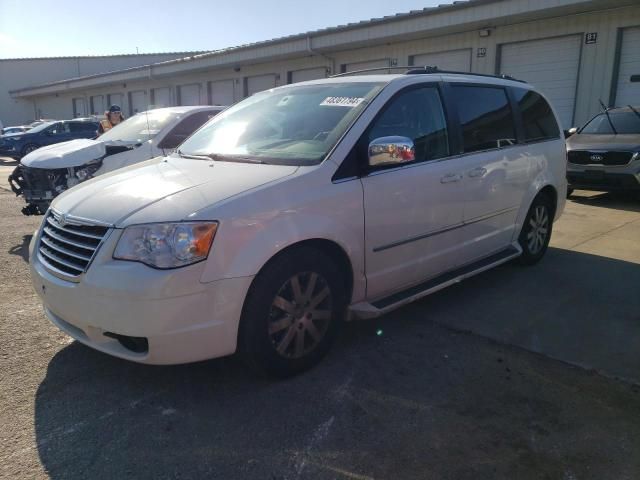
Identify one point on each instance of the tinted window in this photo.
(59, 128)
(76, 127)
(485, 117)
(185, 128)
(537, 117)
(416, 114)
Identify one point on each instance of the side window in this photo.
(184, 128)
(537, 117)
(485, 116)
(77, 127)
(59, 128)
(416, 114)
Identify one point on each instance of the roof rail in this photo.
(376, 69)
(427, 69)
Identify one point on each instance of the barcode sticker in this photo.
(342, 101)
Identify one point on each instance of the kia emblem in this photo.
(596, 158)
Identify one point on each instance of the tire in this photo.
(569, 192)
(286, 329)
(29, 148)
(536, 230)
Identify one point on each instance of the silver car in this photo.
(604, 155)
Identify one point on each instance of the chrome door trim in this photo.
(444, 230)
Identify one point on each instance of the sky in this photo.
(43, 28)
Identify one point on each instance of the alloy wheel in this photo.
(300, 315)
(538, 229)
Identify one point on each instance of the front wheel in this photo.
(536, 231)
(29, 148)
(292, 313)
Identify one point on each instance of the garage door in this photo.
(454, 60)
(79, 107)
(296, 76)
(161, 97)
(260, 83)
(137, 102)
(97, 105)
(627, 91)
(551, 65)
(352, 67)
(221, 92)
(115, 99)
(189, 94)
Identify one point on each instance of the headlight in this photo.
(166, 245)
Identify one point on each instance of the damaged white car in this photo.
(45, 173)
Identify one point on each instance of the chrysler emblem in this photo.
(596, 158)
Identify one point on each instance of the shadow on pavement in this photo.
(579, 308)
(22, 249)
(397, 397)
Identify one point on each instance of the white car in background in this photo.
(48, 171)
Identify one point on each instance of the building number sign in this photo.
(482, 52)
(591, 37)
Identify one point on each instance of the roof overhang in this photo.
(447, 19)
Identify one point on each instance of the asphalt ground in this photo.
(489, 379)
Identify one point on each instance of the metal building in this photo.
(576, 51)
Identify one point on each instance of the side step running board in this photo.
(384, 305)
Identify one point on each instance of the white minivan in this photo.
(301, 207)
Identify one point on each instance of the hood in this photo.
(66, 154)
(176, 187)
(580, 141)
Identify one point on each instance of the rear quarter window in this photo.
(538, 120)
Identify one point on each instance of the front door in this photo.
(413, 211)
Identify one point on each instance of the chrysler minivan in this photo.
(299, 208)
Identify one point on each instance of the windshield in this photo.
(296, 125)
(141, 127)
(621, 123)
(41, 127)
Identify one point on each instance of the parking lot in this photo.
(527, 373)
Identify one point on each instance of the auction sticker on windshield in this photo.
(342, 101)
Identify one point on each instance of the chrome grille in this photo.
(68, 246)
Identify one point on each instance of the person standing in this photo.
(113, 117)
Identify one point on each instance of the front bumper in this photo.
(8, 150)
(181, 319)
(602, 180)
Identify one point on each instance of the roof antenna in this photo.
(604, 107)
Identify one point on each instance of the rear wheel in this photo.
(292, 313)
(536, 231)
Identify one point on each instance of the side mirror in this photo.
(571, 131)
(391, 151)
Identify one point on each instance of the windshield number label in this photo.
(342, 101)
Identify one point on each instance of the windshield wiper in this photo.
(233, 158)
(193, 157)
(634, 110)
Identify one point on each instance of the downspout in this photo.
(314, 52)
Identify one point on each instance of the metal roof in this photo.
(339, 28)
(114, 55)
(319, 34)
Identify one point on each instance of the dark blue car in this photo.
(17, 145)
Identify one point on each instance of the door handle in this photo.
(478, 172)
(451, 177)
